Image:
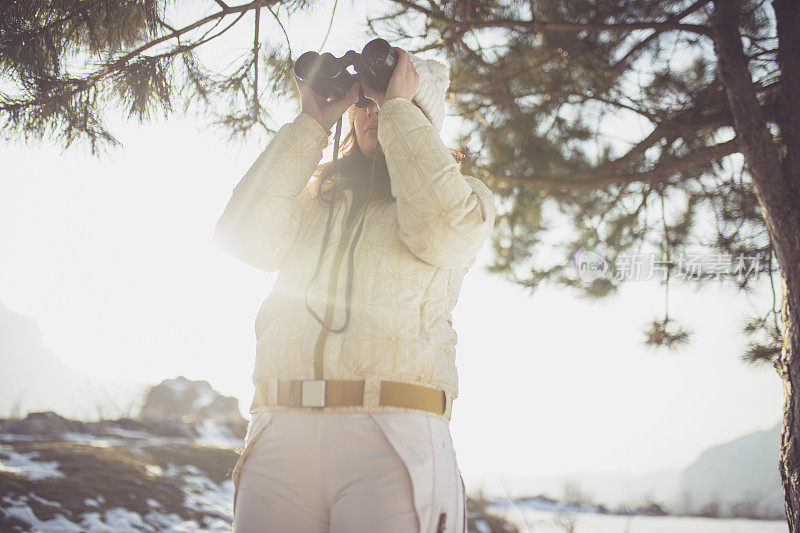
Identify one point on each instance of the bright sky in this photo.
(113, 259)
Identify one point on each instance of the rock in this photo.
(107, 427)
(44, 423)
(174, 408)
(172, 428)
(162, 428)
(177, 406)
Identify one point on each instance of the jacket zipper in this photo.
(344, 240)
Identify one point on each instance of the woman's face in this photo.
(366, 126)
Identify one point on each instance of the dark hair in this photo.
(355, 172)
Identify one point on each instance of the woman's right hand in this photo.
(326, 113)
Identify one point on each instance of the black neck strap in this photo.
(343, 236)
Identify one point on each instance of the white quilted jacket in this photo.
(409, 261)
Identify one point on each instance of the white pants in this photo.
(315, 471)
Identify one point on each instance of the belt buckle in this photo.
(312, 393)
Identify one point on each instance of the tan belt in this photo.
(331, 392)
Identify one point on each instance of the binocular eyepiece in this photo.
(328, 76)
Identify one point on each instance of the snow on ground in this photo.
(482, 526)
(214, 501)
(22, 464)
(540, 521)
(123, 521)
(43, 501)
(115, 519)
(19, 509)
(154, 470)
(553, 506)
(214, 434)
(203, 495)
(153, 503)
(91, 440)
(94, 503)
(210, 434)
(14, 436)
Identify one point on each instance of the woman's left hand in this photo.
(402, 84)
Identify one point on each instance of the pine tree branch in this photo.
(256, 45)
(215, 16)
(497, 79)
(166, 25)
(601, 177)
(15, 39)
(533, 25)
(672, 18)
(285, 35)
(702, 116)
(583, 98)
(330, 26)
(412, 5)
(82, 84)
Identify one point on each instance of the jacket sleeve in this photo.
(262, 218)
(445, 217)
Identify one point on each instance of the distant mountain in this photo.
(738, 477)
(33, 378)
(741, 472)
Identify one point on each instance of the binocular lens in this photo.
(312, 64)
(378, 54)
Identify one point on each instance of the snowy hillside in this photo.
(120, 475)
(126, 475)
(61, 476)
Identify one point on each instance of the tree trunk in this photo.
(789, 465)
(774, 167)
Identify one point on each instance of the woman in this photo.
(350, 427)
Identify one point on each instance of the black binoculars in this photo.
(328, 76)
